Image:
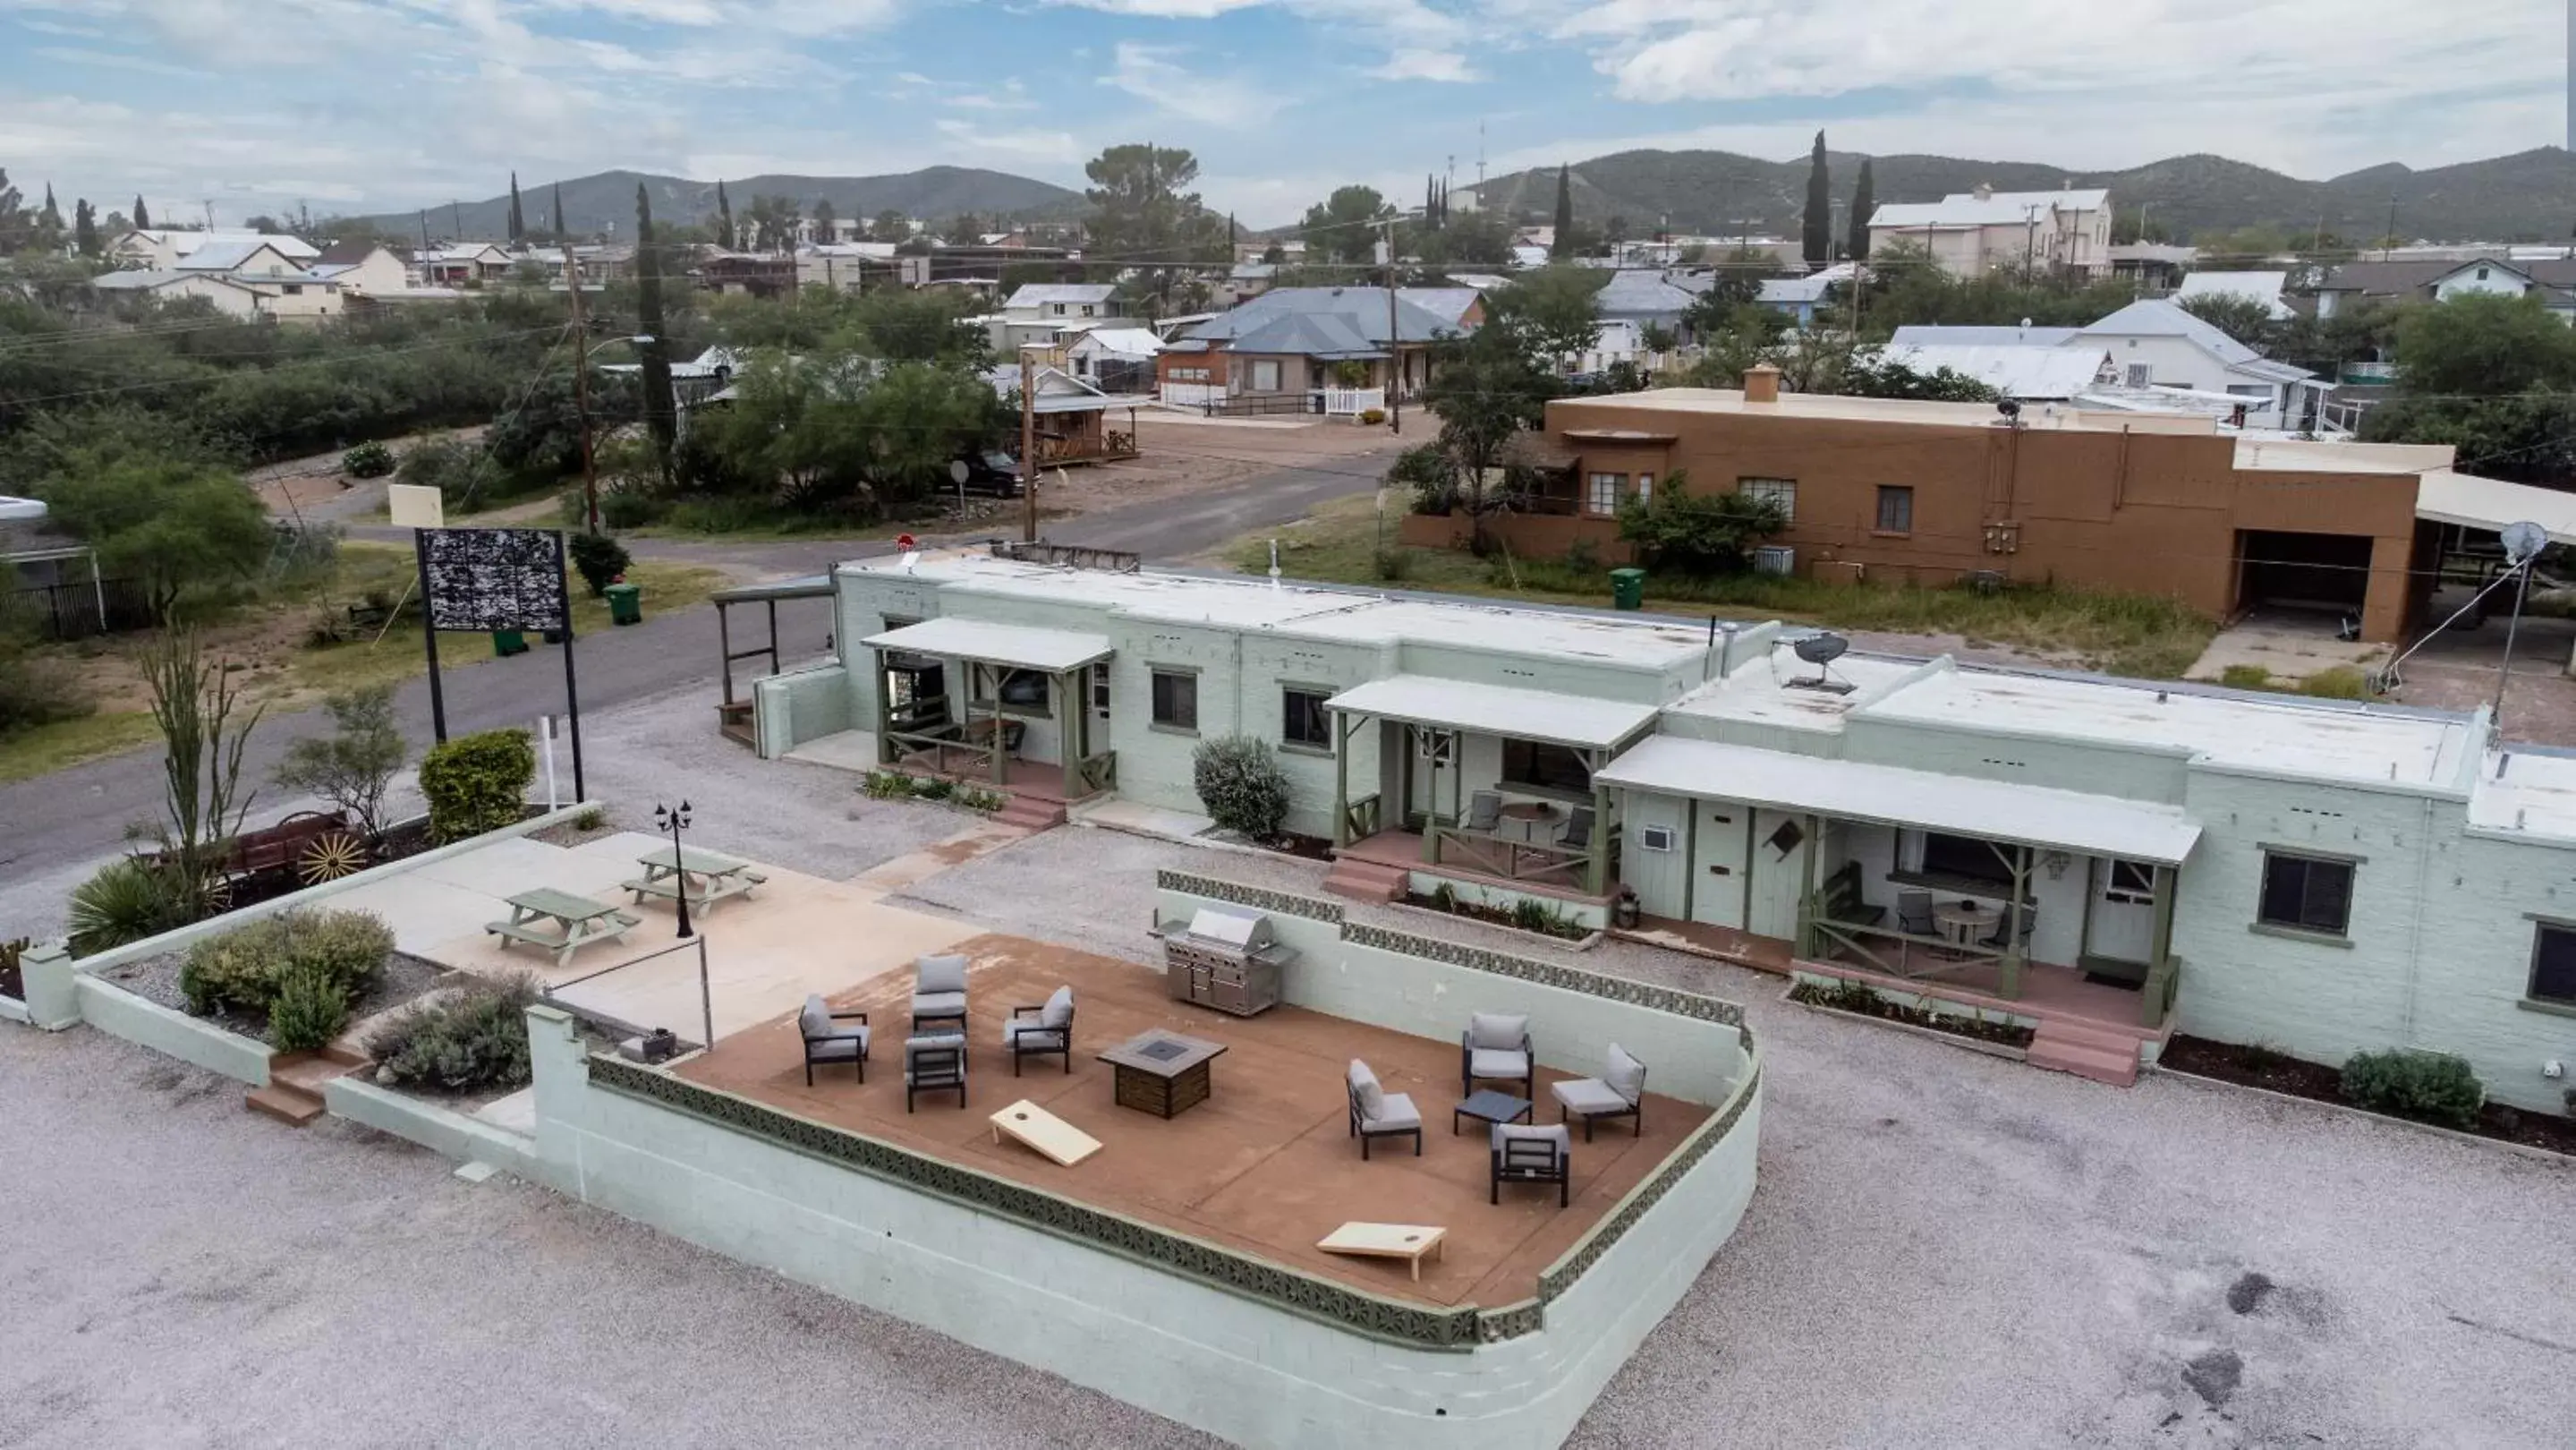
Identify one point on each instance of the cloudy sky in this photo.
(355, 105)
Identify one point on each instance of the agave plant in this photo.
(126, 901)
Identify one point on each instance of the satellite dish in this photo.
(2009, 407)
(2523, 542)
(1821, 649)
(957, 470)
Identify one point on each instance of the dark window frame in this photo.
(2553, 982)
(1965, 859)
(1903, 520)
(1175, 693)
(1308, 699)
(2304, 893)
(1538, 767)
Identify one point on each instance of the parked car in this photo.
(992, 473)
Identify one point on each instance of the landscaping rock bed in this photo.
(2273, 1071)
(156, 979)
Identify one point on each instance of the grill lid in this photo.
(1219, 926)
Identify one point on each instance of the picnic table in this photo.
(707, 877)
(560, 922)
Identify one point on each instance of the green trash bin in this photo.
(625, 604)
(508, 642)
(1627, 588)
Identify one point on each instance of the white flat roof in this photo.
(1019, 646)
(2286, 736)
(1894, 796)
(1576, 720)
(2491, 503)
(2535, 796)
(1764, 690)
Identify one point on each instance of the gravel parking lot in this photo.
(1945, 1249)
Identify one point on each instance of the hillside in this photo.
(2530, 196)
(606, 202)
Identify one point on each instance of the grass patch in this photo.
(2121, 633)
(43, 749)
(2339, 682)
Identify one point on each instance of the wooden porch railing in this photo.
(1941, 953)
(1098, 772)
(1360, 818)
(1502, 856)
(2156, 1000)
(948, 755)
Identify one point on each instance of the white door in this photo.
(1435, 760)
(1717, 863)
(1781, 841)
(2124, 911)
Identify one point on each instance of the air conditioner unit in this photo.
(1775, 559)
(1655, 838)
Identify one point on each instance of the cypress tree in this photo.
(1864, 202)
(1819, 235)
(724, 217)
(85, 227)
(661, 415)
(563, 231)
(518, 218)
(1564, 245)
(142, 214)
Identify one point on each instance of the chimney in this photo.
(1985, 191)
(1762, 384)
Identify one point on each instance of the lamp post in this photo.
(674, 821)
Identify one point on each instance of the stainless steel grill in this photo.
(1226, 958)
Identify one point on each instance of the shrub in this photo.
(477, 783)
(238, 969)
(248, 967)
(628, 509)
(1241, 786)
(934, 789)
(599, 559)
(1394, 566)
(126, 901)
(367, 460)
(1698, 534)
(354, 766)
(13, 979)
(453, 468)
(2245, 677)
(589, 818)
(2435, 1087)
(886, 785)
(1372, 416)
(308, 1010)
(347, 947)
(461, 1041)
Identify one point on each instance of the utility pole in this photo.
(1394, 344)
(581, 388)
(424, 229)
(1028, 447)
(2388, 239)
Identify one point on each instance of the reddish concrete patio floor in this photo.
(1264, 1166)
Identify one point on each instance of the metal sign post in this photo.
(572, 687)
(429, 638)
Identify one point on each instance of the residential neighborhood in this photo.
(644, 786)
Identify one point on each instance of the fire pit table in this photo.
(1159, 1072)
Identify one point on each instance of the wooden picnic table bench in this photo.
(577, 922)
(706, 877)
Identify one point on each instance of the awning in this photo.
(2491, 503)
(1890, 795)
(1015, 646)
(1575, 720)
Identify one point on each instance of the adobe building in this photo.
(1936, 494)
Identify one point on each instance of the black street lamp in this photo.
(667, 819)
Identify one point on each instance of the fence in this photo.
(81, 611)
(553, 993)
(1350, 402)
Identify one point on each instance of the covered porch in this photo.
(1070, 421)
(1005, 704)
(1484, 783)
(1953, 884)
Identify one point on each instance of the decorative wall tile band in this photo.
(1560, 1276)
(1547, 974)
(1343, 1307)
(1259, 898)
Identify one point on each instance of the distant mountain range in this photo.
(606, 203)
(2526, 197)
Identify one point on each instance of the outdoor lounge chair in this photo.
(1484, 812)
(1994, 941)
(934, 1064)
(1619, 1092)
(826, 1040)
(938, 991)
(1377, 1113)
(1496, 1046)
(1532, 1155)
(1050, 1032)
(1578, 830)
(1914, 913)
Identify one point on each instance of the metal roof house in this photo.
(1312, 349)
(2104, 860)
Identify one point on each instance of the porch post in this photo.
(1807, 898)
(1001, 769)
(1073, 740)
(1596, 868)
(2008, 981)
(724, 643)
(2160, 940)
(886, 751)
(1430, 743)
(1341, 778)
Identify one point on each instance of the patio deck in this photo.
(2048, 993)
(1264, 1166)
(1041, 780)
(1403, 850)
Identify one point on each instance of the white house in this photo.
(1040, 311)
(250, 257)
(2029, 374)
(2156, 344)
(2263, 288)
(157, 249)
(362, 269)
(232, 298)
(841, 266)
(1116, 358)
(1972, 233)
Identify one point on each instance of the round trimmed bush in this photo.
(1241, 785)
(367, 460)
(2435, 1087)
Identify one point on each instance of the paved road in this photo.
(80, 814)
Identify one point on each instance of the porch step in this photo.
(289, 1104)
(1367, 880)
(2099, 1053)
(1028, 813)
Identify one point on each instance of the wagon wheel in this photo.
(330, 857)
(218, 893)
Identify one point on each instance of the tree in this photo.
(142, 214)
(661, 411)
(518, 218)
(2490, 375)
(966, 229)
(1344, 226)
(1556, 310)
(1818, 236)
(825, 224)
(193, 702)
(563, 226)
(1864, 205)
(1487, 390)
(2246, 319)
(1561, 245)
(890, 226)
(1869, 374)
(1699, 534)
(85, 227)
(724, 217)
(354, 766)
(1139, 199)
(1274, 255)
(176, 525)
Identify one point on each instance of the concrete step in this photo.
(1367, 880)
(289, 1104)
(2117, 1066)
(2092, 1034)
(1031, 814)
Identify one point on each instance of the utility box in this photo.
(1628, 588)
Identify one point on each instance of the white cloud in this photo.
(1147, 73)
(1165, 9)
(1425, 65)
(1056, 148)
(114, 60)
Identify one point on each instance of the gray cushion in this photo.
(938, 1004)
(838, 1049)
(1553, 1133)
(1395, 1110)
(1058, 1009)
(1497, 1029)
(1038, 1033)
(1589, 1097)
(938, 974)
(1365, 1084)
(1488, 1062)
(912, 1048)
(1625, 1075)
(816, 1019)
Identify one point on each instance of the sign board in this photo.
(479, 580)
(412, 506)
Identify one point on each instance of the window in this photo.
(1303, 720)
(2306, 893)
(1655, 838)
(1020, 692)
(1055, 309)
(1086, 309)
(2553, 964)
(294, 289)
(1602, 496)
(1536, 765)
(1265, 376)
(1645, 488)
(1966, 858)
(2482, 274)
(1176, 700)
(2131, 881)
(1100, 689)
(2142, 375)
(1895, 509)
(1780, 491)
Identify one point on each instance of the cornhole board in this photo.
(1406, 1241)
(1051, 1136)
